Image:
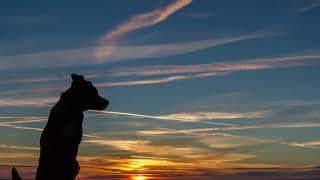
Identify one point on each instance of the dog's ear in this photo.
(76, 77)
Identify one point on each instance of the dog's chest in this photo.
(72, 130)
(64, 125)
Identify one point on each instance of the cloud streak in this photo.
(158, 80)
(39, 78)
(84, 56)
(5, 146)
(160, 117)
(235, 128)
(220, 67)
(309, 144)
(272, 126)
(137, 22)
(209, 137)
(196, 157)
(198, 116)
(169, 49)
(35, 102)
(313, 5)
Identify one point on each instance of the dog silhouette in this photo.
(62, 134)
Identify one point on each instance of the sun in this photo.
(139, 177)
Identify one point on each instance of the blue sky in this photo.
(223, 85)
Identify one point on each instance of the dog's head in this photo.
(84, 95)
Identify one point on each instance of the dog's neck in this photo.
(70, 102)
(70, 107)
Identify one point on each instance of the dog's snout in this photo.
(101, 103)
(105, 103)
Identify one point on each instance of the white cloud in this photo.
(309, 144)
(34, 102)
(158, 80)
(136, 22)
(161, 117)
(313, 5)
(235, 66)
(169, 49)
(198, 116)
(265, 126)
(85, 56)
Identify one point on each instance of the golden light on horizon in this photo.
(139, 177)
(141, 164)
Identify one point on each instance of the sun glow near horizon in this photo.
(139, 177)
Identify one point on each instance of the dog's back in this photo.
(15, 175)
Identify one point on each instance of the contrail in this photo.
(40, 129)
(20, 127)
(26, 121)
(137, 22)
(159, 117)
(18, 147)
(39, 119)
(160, 80)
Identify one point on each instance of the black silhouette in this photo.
(15, 175)
(63, 133)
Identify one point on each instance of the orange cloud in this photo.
(162, 158)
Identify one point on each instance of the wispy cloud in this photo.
(39, 78)
(51, 58)
(222, 140)
(158, 80)
(12, 124)
(137, 22)
(84, 56)
(309, 144)
(34, 102)
(264, 126)
(313, 5)
(28, 120)
(201, 157)
(185, 117)
(209, 137)
(242, 65)
(162, 117)
(214, 139)
(198, 116)
(5, 146)
(169, 49)
(161, 131)
(16, 155)
(19, 127)
(313, 115)
(218, 129)
(300, 102)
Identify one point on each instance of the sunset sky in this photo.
(198, 89)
